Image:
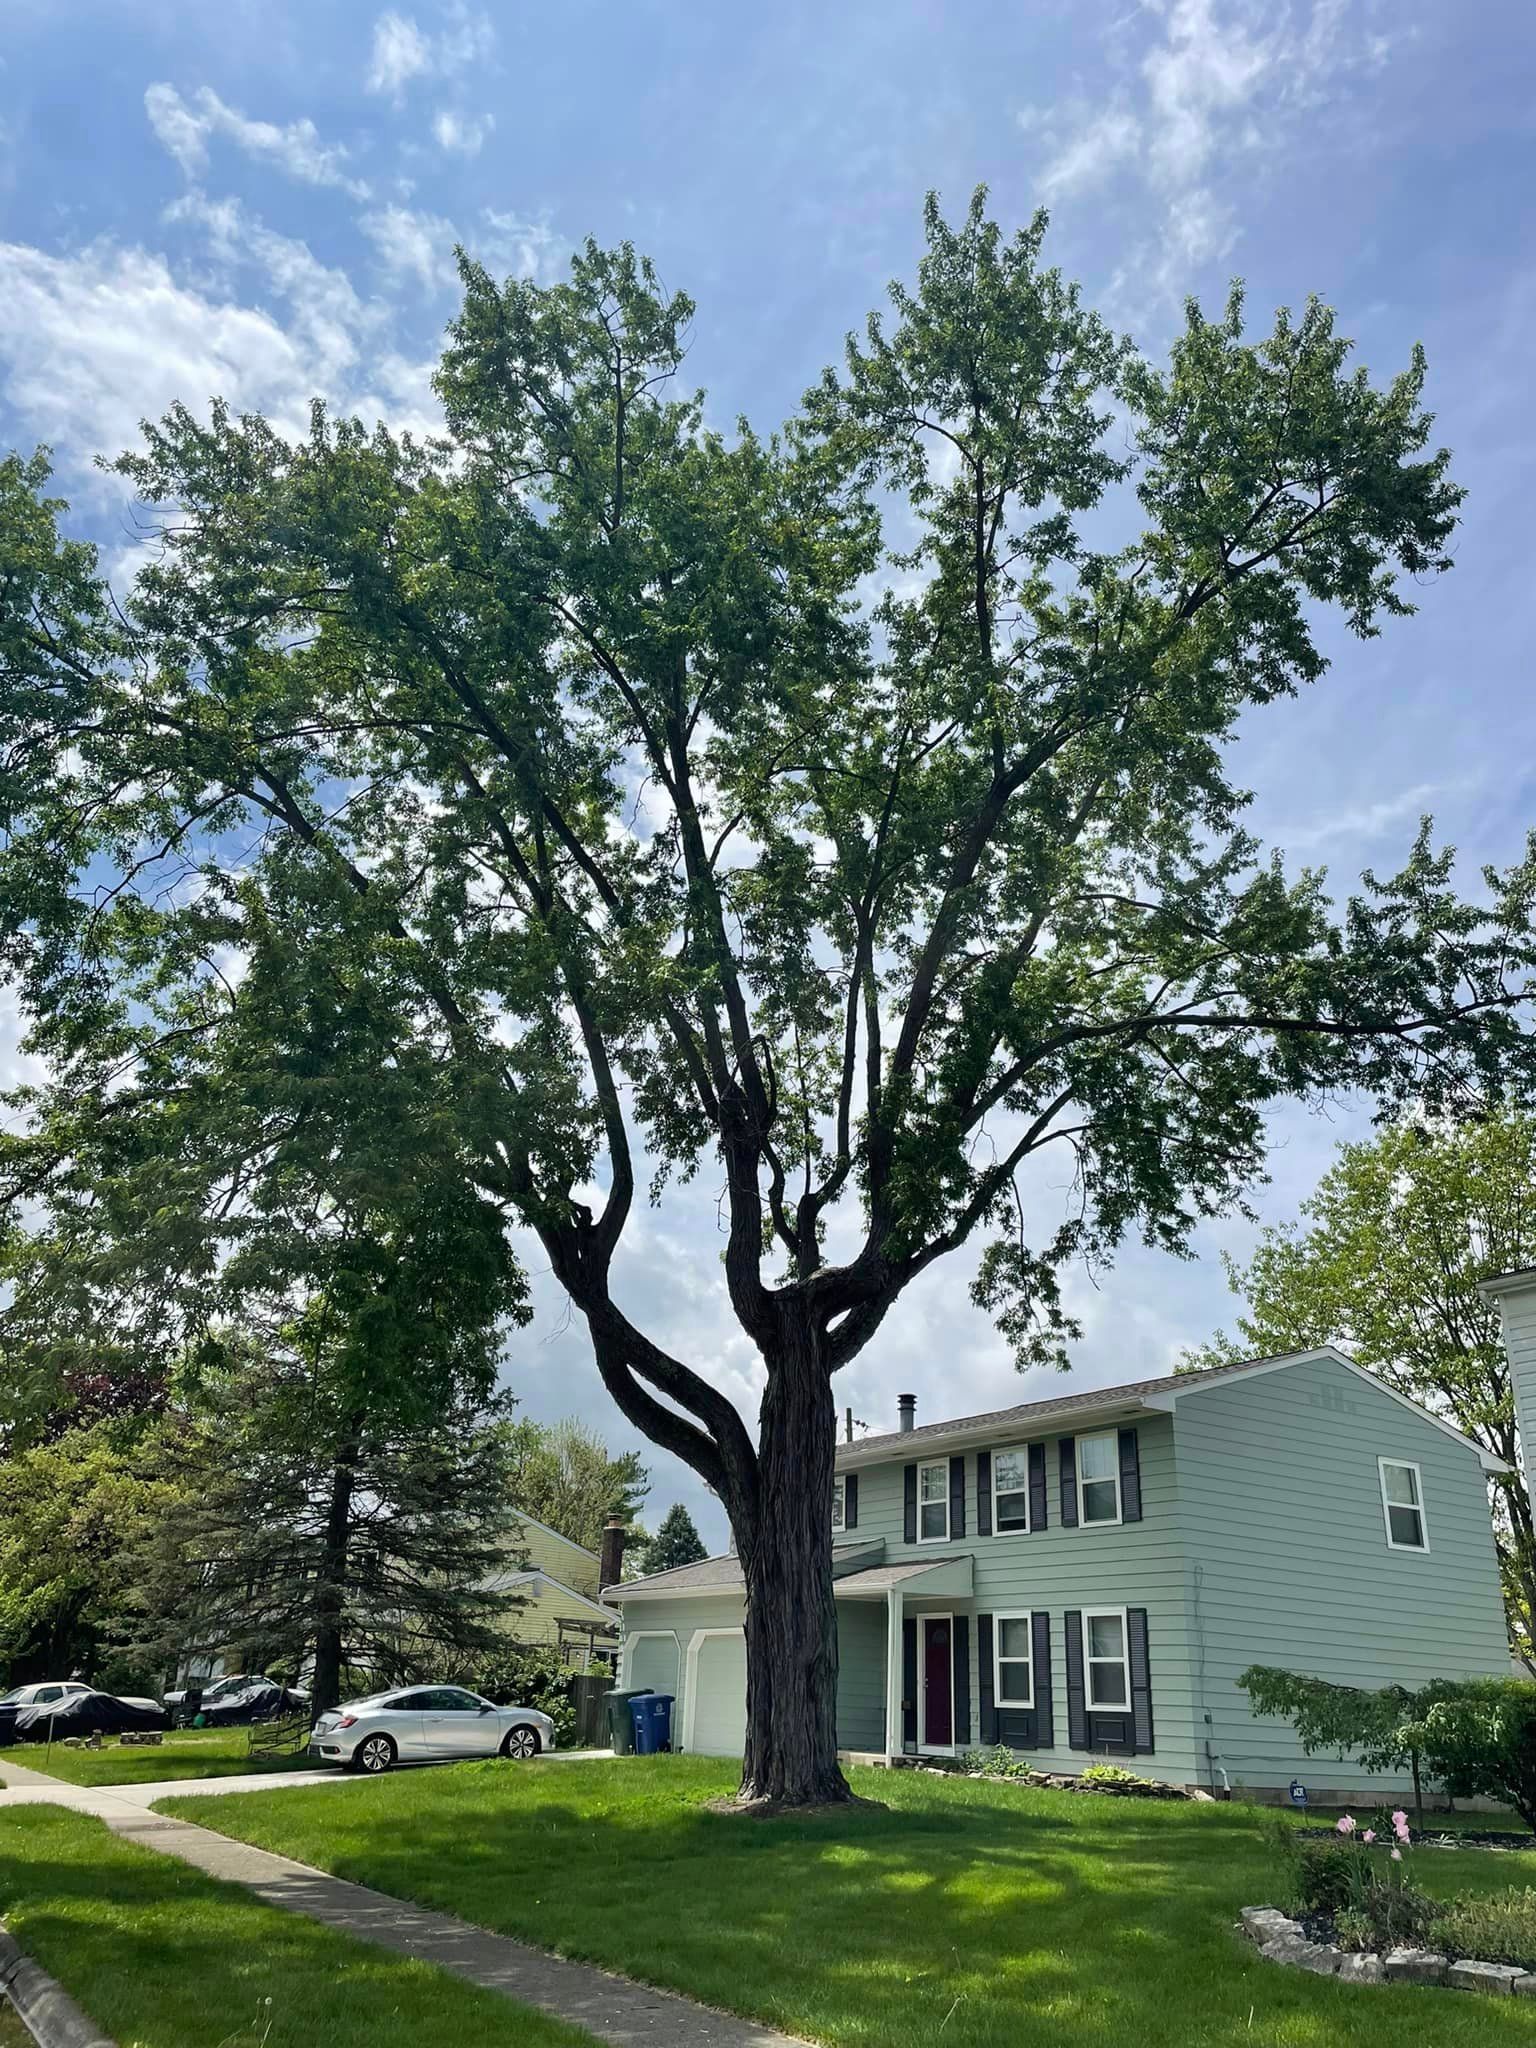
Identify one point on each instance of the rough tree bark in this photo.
(791, 1623)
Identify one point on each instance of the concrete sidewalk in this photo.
(612, 2009)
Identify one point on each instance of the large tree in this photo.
(842, 814)
(1385, 1263)
(676, 1542)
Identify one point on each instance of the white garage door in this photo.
(719, 1704)
(653, 1661)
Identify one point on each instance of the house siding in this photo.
(1289, 1563)
(1059, 1570)
(861, 1673)
(548, 1551)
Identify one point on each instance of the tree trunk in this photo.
(786, 1555)
(330, 1592)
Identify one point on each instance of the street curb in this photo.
(44, 2008)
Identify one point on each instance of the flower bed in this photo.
(1358, 1916)
(1002, 1765)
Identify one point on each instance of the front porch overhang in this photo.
(942, 1578)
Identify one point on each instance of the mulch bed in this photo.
(1477, 1839)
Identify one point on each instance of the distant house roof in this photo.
(1129, 1398)
(724, 1574)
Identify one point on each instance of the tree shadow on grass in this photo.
(948, 1918)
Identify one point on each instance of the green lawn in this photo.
(970, 1915)
(162, 1957)
(12, 2033)
(189, 1753)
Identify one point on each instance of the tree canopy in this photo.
(1385, 1263)
(564, 1475)
(840, 814)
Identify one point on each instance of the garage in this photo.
(654, 1662)
(715, 1705)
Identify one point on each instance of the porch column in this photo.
(893, 1609)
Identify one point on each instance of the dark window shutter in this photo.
(909, 1530)
(1040, 1658)
(1130, 1477)
(1077, 1702)
(851, 1500)
(909, 1682)
(960, 1638)
(1141, 1680)
(1039, 1512)
(1067, 1450)
(956, 1498)
(984, 1692)
(983, 1493)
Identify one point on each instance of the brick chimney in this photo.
(610, 1556)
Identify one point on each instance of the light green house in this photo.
(558, 1586)
(1085, 1577)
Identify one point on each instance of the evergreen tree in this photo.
(676, 1542)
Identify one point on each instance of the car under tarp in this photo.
(88, 1713)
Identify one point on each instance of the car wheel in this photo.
(521, 1743)
(374, 1754)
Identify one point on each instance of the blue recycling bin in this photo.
(652, 1718)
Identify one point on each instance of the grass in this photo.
(188, 1753)
(12, 2033)
(971, 1915)
(161, 1956)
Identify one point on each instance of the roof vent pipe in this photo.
(906, 1410)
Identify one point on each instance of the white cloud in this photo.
(1369, 820)
(185, 129)
(402, 50)
(1219, 87)
(461, 134)
(411, 244)
(96, 340)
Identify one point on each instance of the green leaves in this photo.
(594, 792)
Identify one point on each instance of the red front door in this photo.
(938, 1684)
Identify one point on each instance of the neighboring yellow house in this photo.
(558, 1585)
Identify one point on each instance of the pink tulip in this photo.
(1347, 1825)
(1397, 1855)
(1369, 1835)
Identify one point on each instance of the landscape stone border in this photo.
(1283, 1940)
(44, 2008)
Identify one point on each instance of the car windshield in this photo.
(9, 1699)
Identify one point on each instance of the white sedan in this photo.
(426, 1723)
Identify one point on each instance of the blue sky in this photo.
(261, 201)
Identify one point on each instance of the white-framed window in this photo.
(1098, 1477)
(1010, 1491)
(1013, 1658)
(1106, 1660)
(1402, 1504)
(839, 1505)
(933, 1502)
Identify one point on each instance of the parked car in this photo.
(34, 1713)
(422, 1723)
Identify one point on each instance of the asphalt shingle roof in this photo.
(1026, 1412)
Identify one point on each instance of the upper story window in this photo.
(1098, 1477)
(1108, 1665)
(839, 1505)
(1010, 1490)
(933, 1502)
(1014, 1679)
(1402, 1503)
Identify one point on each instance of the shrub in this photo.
(527, 1675)
(997, 1762)
(1479, 1736)
(1500, 1927)
(1110, 1774)
(1328, 1877)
